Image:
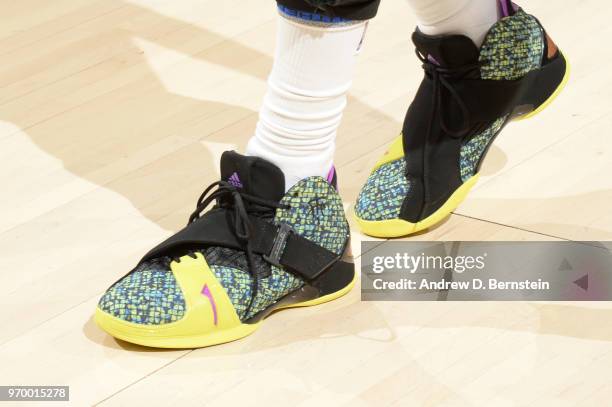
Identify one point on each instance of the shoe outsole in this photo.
(394, 228)
(149, 335)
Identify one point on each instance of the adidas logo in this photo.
(234, 179)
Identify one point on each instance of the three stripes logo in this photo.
(234, 180)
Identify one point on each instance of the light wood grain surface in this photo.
(113, 116)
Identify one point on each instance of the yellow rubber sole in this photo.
(394, 228)
(149, 335)
(399, 227)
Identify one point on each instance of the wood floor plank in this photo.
(113, 116)
(563, 191)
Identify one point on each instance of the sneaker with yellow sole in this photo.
(467, 97)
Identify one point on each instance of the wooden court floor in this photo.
(113, 116)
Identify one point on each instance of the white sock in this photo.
(472, 18)
(312, 72)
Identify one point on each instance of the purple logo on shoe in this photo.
(234, 179)
(206, 293)
(331, 175)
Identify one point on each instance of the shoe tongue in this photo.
(448, 51)
(253, 175)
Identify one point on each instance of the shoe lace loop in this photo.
(229, 196)
(243, 204)
(440, 76)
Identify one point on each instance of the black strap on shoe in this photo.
(278, 244)
(244, 222)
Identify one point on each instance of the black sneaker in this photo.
(257, 250)
(465, 100)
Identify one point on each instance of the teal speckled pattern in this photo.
(237, 284)
(513, 47)
(382, 195)
(149, 295)
(316, 213)
(474, 148)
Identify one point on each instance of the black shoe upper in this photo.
(466, 97)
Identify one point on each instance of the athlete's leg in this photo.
(472, 18)
(277, 237)
(316, 50)
(306, 96)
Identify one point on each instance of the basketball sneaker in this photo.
(257, 250)
(467, 97)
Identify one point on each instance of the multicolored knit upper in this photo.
(382, 195)
(150, 294)
(473, 149)
(513, 47)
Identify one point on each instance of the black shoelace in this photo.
(442, 79)
(230, 197)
